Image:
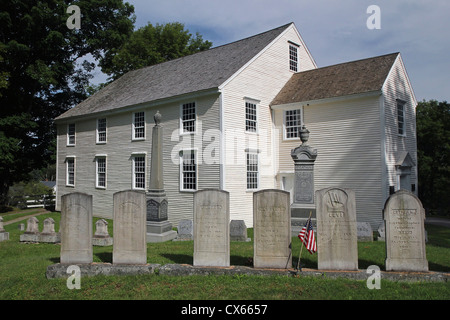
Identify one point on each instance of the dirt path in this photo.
(40, 212)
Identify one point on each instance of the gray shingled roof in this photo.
(343, 79)
(197, 72)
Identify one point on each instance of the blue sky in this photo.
(334, 31)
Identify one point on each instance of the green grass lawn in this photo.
(23, 267)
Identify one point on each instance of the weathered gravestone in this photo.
(76, 228)
(3, 234)
(185, 230)
(272, 229)
(130, 246)
(32, 232)
(404, 216)
(336, 229)
(365, 232)
(101, 236)
(212, 228)
(49, 235)
(238, 231)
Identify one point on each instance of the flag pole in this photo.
(301, 246)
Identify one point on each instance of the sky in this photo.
(334, 31)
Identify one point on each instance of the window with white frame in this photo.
(188, 117)
(101, 130)
(70, 172)
(292, 123)
(252, 170)
(401, 117)
(293, 57)
(251, 123)
(100, 172)
(139, 172)
(188, 168)
(71, 134)
(139, 125)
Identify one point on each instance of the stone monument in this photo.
(185, 230)
(101, 236)
(130, 246)
(159, 229)
(404, 217)
(76, 228)
(32, 232)
(48, 234)
(212, 228)
(272, 229)
(304, 157)
(3, 234)
(238, 231)
(336, 229)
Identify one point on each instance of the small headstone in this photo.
(76, 228)
(185, 230)
(21, 226)
(404, 216)
(336, 229)
(48, 234)
(381, 232)
(238, 231)
(32, 232)
(101, 235)
(212, 228)
(130, 246)
(3, 234)
(272, 229)
(365, 232)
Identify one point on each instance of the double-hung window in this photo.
(70, 171)
(139, 172)
(292, 123)
(100, 172)
(293, 57)
(101, 130)
(401, 117)
(188, 171)
(139, 125)
(188, 117)
(71, 134)
(251, 121)
(252, 170)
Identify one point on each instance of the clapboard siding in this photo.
(120, 148)
(397, 86)
(347, 135)
(261, 80)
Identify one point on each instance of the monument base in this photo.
(161, 237)
(299, 216)
(41, 237)
(418, 265)
(160, 231)
(102, 242)
(4, 236)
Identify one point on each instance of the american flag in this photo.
(306, 235)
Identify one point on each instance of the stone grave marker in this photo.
(3, 234)
(76, 228)
(238, 231)
(185, 230)
(101, 236)
(48, 234)
(130, 246)
(404, 217)
(272, 229)
(32, 231)
(336, 229)
(211, 228)
(364, 230)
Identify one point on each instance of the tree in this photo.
(41, 75)
(433, 152)
(150, 45)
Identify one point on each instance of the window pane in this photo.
(70, 172)
(189, 171)
(101, 172)
(139, 125)
(188, 117)
(71, 134)
(252, 171)
(139, 172)
(292, 123)
(101, 130)
(293, 58)
(250, 117)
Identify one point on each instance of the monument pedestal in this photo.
(300, 214)
(159, 229)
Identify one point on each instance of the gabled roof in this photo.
(197, 72)
(338, 80)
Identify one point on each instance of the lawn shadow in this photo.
(179, 258)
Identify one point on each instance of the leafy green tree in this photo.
(41, 74)
(433, 144)
(150, 45)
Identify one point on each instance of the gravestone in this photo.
(212, 228)
(101, 236)
(304, 157)
(76, 228)
(185, 230)
(238, 231)
(159, 229)
(130, 246)
(364, 231)
(404, 217)
(336, 229)
(272, 229)
(3, 234)
(32, 232)
(381, 232)
(48, 234)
